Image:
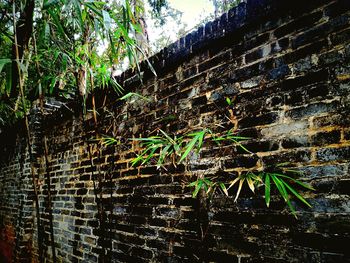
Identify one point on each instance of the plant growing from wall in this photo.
(163, 148)
(176, 149)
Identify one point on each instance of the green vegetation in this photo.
(164, 149)
(68, 47)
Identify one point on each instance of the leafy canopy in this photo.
(74, 46)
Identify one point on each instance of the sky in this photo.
(193, 12)
(192, 9)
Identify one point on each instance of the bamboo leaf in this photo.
(251, 184)
(93, 8)
(296, 194)
(106, 20)
(116, 86)
(232, 183)
(284, 193)
(164, 152)
(57, 23)
(167, 136)
(150, 155)
(241, 146)
(280, 187)
(295, 181)
(207, 181)
(267, 190)
(223, 188)
(198, 187)
(48, 4)
(192, 184)
(52, 84)
(239, 188)
(3, 62)
(201, 139)
(188, 148)
(78, 11)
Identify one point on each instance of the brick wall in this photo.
(286, 66)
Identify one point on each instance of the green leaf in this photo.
(52, 84)
(296, 181)
(164, 152)
(8, 84)
(136, 160)
(78, 11)
(201, 136)
(267, 190)
(106, 20)
(150, 155)
(223, 188)
(3, 62)
(198, 187)
(116, 86)
(240, 145)
(296, 194)
(57, 23)
(94, 9)
(284, 193)
(207, 181)
(280, 187)
(167, 136)
(48, 4)
(282, 164)
(192, 184)
(188, 148)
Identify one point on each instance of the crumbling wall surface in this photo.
(285, 65)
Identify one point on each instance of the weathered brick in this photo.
(333, 154)
(241, 161)
(140, 252)
(324, 138)
(259, 120)
(297, 24)
(301, 156)
(295, 142)
(312, 109)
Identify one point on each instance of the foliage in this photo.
(282, 182)
(177, 148)
(76, 46)
(164, 148)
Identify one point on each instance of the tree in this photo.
(61, 48)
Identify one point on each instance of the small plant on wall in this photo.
(163, 148)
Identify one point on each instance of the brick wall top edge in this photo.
(247, 12)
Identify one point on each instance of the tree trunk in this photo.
(24, 29)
